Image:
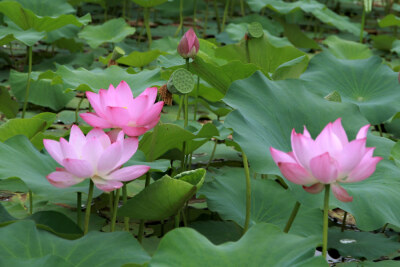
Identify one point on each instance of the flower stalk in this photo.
(325, 227)
(88, 207)
(28, 84)
(248, 193)
(292, 217)
(115, 209)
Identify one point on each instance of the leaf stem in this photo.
(362, 25)
(141, 226)
(217, 16)
(225, 14)
(344, 221)
(242, 8)
(325, 229)
(28, 82)
(77, 110)
(115, 209)
(88, 207)
(125, 199)
(147, 25)
(30, 195)
(248, 193)
(212, 154)
(79, 209)
(196, 99)
(292, 217)
(180, 18)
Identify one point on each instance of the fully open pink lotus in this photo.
(189, 45)
(330, 159)
(116, 108)
(93, 156)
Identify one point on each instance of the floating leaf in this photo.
(344, 49)
(22, 242)
(112, 31)
(274, 248)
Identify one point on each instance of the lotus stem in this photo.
(242, 8)
(196, 99)
(292, 217)
(344, 221)
(194, 15)
(362, 25)
(384, 227)
(147, 25)
(115, 210)
(125, 199)
(141, 226)
(77, 110)
(248, 193)
(178, 116)
(79, 209)
(111, 205)
(180, 27)
(28, 82)
(325, 228)
(205, 21)
(184, 218)
(380, 130)
(30, 195)
(88, 207)
(177, 219)
(124, 8)
(212, 154)
(225, 15)
(217, 16)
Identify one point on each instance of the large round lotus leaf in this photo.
(22, 242)
(370, 246)
(270, 203)
(42, 91)
(93, 80)
(159, 200)
(263, 245)
(267, 111)
(368, 83)
(19, 158)
(345, 49)
(48, 220)
(50, 8)
(112, 31)
(26, 19)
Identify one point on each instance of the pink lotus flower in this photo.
(93, 156)
(330, 159)
(116, 108)
(189, 45)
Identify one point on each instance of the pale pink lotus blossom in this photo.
(189, 45)
(93, 156)
(329, 159)
(117, 108)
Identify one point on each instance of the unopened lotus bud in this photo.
(189, 45)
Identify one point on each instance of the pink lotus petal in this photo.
(296, 173)
(94, 100)
(78, 167)
(92, 151)
(315, 188)
(365, 168)
(129, 173)
(118, 115)
(101, 136)
(280, 156)
(324, 168)
(303, 149)
(110, 97)
(362, 133)
(107, 185)
(339, 131)
(306, 133)
(129, 148)
(152, 114)
(151, 93)
(134, 131)
(62, 179)
(351, 156)
(54, 149)
(68, 150)
(328, 141)
(137, 107)
(76, 136)
(110, 158)
(340, 193)
(95, 121)
(124, 94)
(190, 36)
